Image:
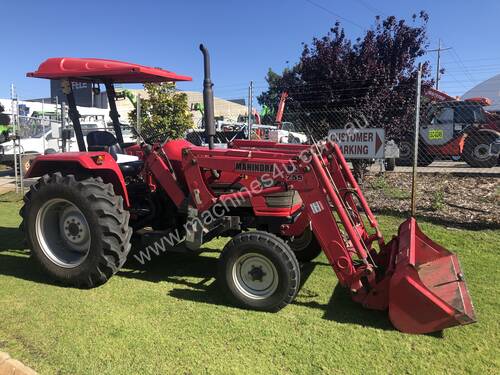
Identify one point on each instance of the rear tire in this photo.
(305, 247)
(258, 271)
(476, 151)
(77, 230)
(389, 164)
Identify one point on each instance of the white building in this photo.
(226, 108)
(487, 89)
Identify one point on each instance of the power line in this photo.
(456, 80)
(371, 8)
(482, 59)
(462, 64)
(319, 6)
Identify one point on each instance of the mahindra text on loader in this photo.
(292, 202)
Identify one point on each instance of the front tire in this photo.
(476, 151)
(77, 230)
(425, 158)
(258, 271)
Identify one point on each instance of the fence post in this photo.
(250, 104)
(415, 143)
(42, 122)
(15, 132)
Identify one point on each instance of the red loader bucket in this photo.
(427, 291)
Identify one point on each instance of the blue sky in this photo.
(245, 38)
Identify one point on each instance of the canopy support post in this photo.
(73, 114)
(113, 112)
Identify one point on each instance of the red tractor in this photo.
(280, 203)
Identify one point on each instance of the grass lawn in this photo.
(169, 317)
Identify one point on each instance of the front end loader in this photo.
(280, 203)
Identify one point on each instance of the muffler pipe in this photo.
(208, 99)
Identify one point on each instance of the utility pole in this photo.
(15, 131)
(438, 69)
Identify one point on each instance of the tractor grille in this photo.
(275, 200)
(219, 189)
(284, 199)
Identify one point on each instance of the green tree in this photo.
(164, 114)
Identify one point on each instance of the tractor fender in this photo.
(486, 131)
(85, 164)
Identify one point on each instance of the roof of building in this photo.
(490, 89)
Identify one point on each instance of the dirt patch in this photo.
(9, 366)
(471, 201)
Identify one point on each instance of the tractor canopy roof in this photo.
(100, 70)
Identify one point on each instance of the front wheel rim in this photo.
(405, 150)
(255, 276)
(63, 233)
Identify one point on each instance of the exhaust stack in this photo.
(208, 99)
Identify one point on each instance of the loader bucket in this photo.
(427, 291)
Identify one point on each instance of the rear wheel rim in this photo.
(255, 276)
(63, 233)
(481, 152)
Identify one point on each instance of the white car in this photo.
(287, 134)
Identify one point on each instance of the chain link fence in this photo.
(23, 138)
(457, 161)
(458, 170)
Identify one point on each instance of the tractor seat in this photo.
(130, 165)
(104, 141)
(131, 168)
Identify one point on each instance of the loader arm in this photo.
(418, 281)
(283, 170)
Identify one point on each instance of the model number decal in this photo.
(316, 207)
(295, 177)
(436, 134)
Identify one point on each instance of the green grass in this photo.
(437, 202)
(171, 319)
